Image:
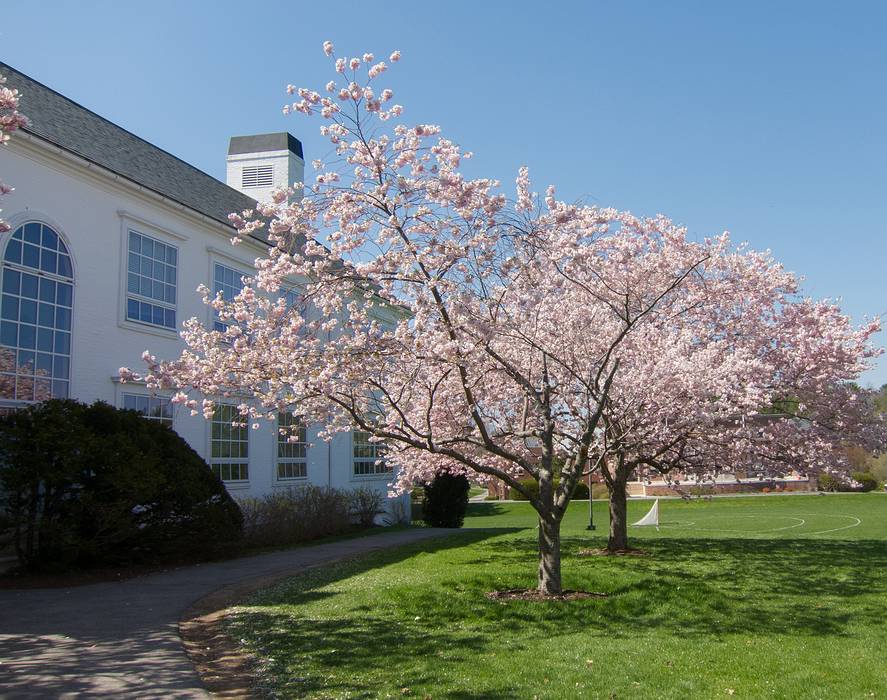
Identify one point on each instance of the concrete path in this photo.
(120, 639)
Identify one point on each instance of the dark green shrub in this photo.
(94, 485)
(866, 481)
(294, 515)
(580, 491)
(446, 499)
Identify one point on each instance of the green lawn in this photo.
(779, 597)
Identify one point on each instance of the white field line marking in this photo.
(677, 524)
(835, 529)
(801, 522)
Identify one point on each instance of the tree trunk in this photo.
(549, 557)
(618, 539)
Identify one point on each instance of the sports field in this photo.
(775, 596)
(762, 517)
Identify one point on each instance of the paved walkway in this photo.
(120, 639)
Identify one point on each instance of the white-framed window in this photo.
(292, 462)
(368, 456)
(257, 176)
(157, 408)
(229, 444)
(230, 283)
(35, 315)
(151, 272)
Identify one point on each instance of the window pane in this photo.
(31, 256)
(9, 333)
(65, 294)
(44, 340)
(26, 361)
(46, 315)
(7, 386)
(24, 388)
(14, 252)
(65, 269)
(63, 342)
(29, 286)
(60, 366)
(32, 233)
(47, 290)
(9, 308)
(11, 281)
(28, 311)
(44, 363)
(49, 239)
(48, 261)
(27, 336)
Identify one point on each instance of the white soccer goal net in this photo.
(651, 518)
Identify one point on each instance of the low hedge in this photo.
(294, 515)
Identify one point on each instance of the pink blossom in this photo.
(328, 48)
(617, 343)
(10, 120)
(395, 57)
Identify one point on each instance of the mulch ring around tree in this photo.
(534, 594)
(604, 552)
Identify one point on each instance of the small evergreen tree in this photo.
(446, 499)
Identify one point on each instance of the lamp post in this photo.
(590, 505)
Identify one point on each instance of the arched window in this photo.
(35, 315)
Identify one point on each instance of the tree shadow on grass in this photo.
(718, 586)
(308, 655)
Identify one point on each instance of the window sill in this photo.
(283, 483)
(236, 485)
(150, 330)
(372, 477)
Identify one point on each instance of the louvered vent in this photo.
(258, 176)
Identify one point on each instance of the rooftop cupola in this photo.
(260, 164)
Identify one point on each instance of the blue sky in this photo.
(765, 119)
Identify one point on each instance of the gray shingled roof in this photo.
(74, 128)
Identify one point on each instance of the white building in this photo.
(111, 237)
